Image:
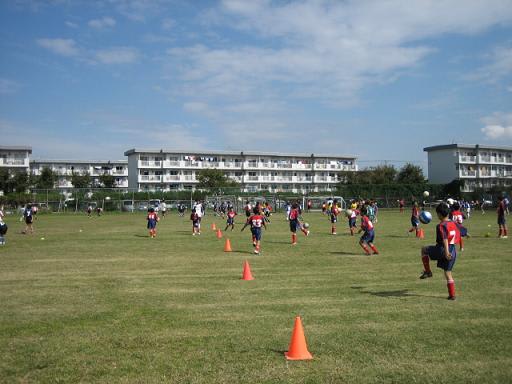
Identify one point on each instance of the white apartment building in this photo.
(480, 166)
(15, 158)
(64, 169)
(177, 170)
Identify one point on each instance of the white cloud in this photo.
(117, 55)
(8, 86)
(167, 24)
(70, 24)
(104, 22)
(63, 47)
(498, 67)
(498, 126)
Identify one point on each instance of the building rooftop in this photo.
(15, 148)
(57, 161)
(235, 153)
(466, 146)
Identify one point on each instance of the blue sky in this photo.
(376, 79)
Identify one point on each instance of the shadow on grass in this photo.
(141, 236)
(395, 293)
(278, 351)
(345, 253)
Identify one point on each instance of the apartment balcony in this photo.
(14, 162)
(467, 173)
(150, 178)
(120, 173)
(467, 159)
(484, 159)
(150, 164)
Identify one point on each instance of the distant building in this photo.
(15, 158)
(177, 170)
(479, 166)
(64, 169)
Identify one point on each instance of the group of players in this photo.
(449, 232)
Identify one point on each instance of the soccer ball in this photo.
(450, 201)
(426, 194)
(425, 217)
(348, 212)
(306, 225)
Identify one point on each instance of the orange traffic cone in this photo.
(227, 246)
(247, 275)
(219, 234)
(421, 234)
(298, 350)
(214, 227)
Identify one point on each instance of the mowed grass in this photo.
(108, 304)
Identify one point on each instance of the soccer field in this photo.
(99, 301)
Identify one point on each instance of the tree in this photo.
(80, 181)
(383, 174)
(47, 179)
(108, 181)
(214, 179)
(410, 174)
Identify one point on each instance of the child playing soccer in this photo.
(352, 220)
(196, 223)
(415, 218)
(458, 218)
(334, 216)
(502, 221)
(295, 223)
(256, 221)
(444, 252)
(152, 219)
(369, 233)
(231, 219)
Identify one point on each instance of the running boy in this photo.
(369, 233)
(502, 221)
(29, 219)
(231, 219)
(352, 220)
(295, 223)
(196, 223)
(152, 219)
(256, 221)
(444, 252)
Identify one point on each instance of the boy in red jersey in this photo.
(295, 223)
(231, 219)
(401, 204)
(502, 221)
(196, 223)
(415, 218)
(369, 233)
(152, 219)
(444, 252)
(334, 216)
(256, 221)
(458, 217)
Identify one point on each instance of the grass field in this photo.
(108, 304)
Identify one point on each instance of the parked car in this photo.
(127, 206)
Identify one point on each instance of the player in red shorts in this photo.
(415, 218)
(444, 251)
(335, 211)
(295, 223)
(502, 221)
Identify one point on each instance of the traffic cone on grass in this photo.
(227, 246)
(219, 234)
(421, 234)
(247, 275)
(298, 350)
(214, 227)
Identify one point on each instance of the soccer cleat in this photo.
(294, 243)
(334, 233)
(504, 237)
(451, 297)
(307, 233)
(256, 252)
(254, 244)
(375, 252)
(425, 275)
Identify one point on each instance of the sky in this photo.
(380, 80)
